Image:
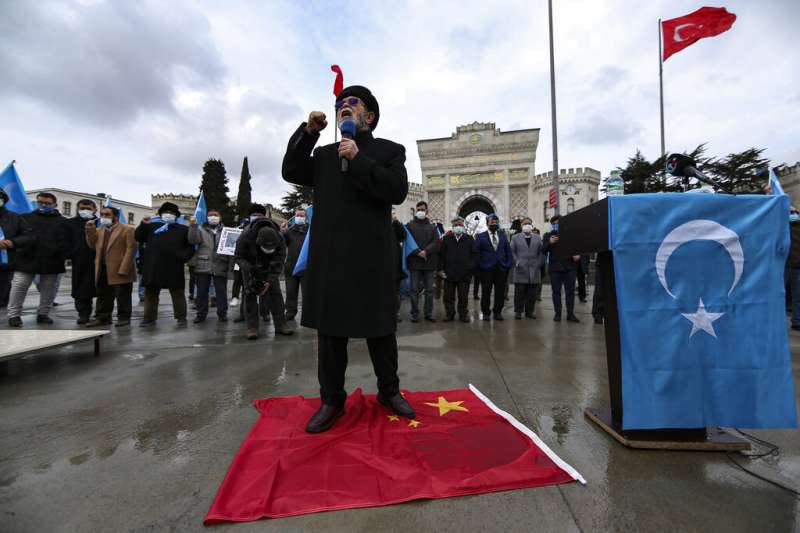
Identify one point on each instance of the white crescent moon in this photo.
(677, 36)
(694, 230)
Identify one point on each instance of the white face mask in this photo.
(458, 230)
(213, 220)
(86, 213)
(168, 217)
(299, 220)
(254, 217)
(527, 228)
(2, 202)
(421, 215)
(106, 221)
(267, 250)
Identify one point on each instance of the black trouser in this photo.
(581, 274)
(151, 297)
(476, 287)
(493, 279)
(525, 298)
(451, 289)
(332, 365)
(84, 307)
(294, 287)
(597, 297)
(237, 284)
(192, 282)
(565, 278)
(274, 299)
(5, 286)
(220, 289)
(106, 294)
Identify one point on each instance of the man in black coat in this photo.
(457, 261)
(294, 237)
(260, 254)
(351, 273)
(82, 257)
(563, 272)
(167, 250)
(423, 262)
(15, 234)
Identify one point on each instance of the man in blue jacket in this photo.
(494, 260)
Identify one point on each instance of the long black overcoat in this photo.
(46, 254)
(82, 258)
(165, 255)
(352, 260)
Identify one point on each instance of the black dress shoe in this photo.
(182, 322)
(223, 318)
(530, 315)
(498, 316)
(464, 319)
(147, 323)
(430, 319)
(556, 318)
(486, 318)
(43, 319)
(98, 322)
(448, 319)
(15, 322)
(198, 319)
(414, 319)
(599, 320)
(83, 320)
(398, 405)
(324, 418)
(518, 316)
(238, 320)
(572, 318)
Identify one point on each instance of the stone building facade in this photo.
(405, 211)
(67, 202)
(480, 169)
(789, 176)
(187, 203)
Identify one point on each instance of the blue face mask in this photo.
(46, 209)
(554, 227)
(794, 217)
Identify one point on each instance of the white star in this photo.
(702, 319)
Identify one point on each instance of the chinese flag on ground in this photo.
(685, 31)
(460, 443)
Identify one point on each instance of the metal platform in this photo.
(15, 344)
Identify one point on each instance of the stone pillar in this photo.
(446, 217)
(506, 217)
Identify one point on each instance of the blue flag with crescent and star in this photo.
(700, 294)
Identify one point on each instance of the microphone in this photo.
(348, 129)
(684, 166)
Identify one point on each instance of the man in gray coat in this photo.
(526, 247)
(210, 267)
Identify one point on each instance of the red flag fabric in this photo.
(684, 31)
(338, 85)
(460, 443)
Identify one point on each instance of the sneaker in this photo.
(43, 319)
(234, 302)
(15, 322)
(283, 329)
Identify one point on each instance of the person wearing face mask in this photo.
(15, 234)
(114, 269)
(210, 267)
(457, 260)
(82, 258)
(45, 258)
(526, 247)
(423, 263)
(260, 254)
(562, 272)
(792, 271)
(167, 250)
(494, 260)
(294, 237)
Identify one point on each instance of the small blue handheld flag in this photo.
(302, 259)
(12, 185)
(201, 211)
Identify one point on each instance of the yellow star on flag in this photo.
(445, 406)
(393, 418)
(414, 424)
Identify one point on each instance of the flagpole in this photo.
(661, 86)
(553, 107)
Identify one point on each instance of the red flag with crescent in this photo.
(684, 31)
(338, 85)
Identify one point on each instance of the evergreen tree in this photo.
(215, 187)
(299, 195)
(641, 175)
(743, 173)
(244, 196)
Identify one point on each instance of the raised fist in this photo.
(316, 122)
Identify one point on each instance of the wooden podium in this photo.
(586, 231)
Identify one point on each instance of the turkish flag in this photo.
(684, 31)
(553, 198)
(338, 84)
(460, 443)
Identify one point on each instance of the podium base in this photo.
(700, 440)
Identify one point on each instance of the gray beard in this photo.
(361, 123)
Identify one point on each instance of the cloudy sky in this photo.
(130, 98)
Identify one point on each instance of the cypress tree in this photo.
(215, 187)
(244, 196)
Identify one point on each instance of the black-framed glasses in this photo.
(352, 101)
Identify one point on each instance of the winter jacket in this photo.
(427, 238)
(206, 240)
(293, 237)
(18, 231)
(165, 255)
(120, 253)
(51, 248)
(527, 258)
(458, 257)
(82, 258)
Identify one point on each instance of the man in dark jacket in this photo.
(792, 272)
(260, 254)
(294, 237)
(45, 258)
(82, 257)
(562, 272)
(494, 260)
(15, 234)
(423, 262)
(351, 273)
(167, 249)
(457, 260)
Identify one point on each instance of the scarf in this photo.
(164, 227)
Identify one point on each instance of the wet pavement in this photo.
(140, 438)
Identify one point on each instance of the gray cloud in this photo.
(105, 62)
(605, 129)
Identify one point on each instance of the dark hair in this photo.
(212, 210)
(422, 202)
(257, 208)
(555, 218)
(493, 216)
(86, 201)
(47, 195)
(113, 210)
(4, 196)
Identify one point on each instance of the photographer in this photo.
(260, 254)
